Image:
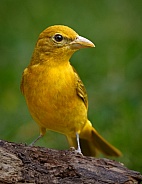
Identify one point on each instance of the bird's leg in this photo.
(42, 133)
(78, 144)
(36, 140)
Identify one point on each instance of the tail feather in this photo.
(103, 146)
(91, 142)
(87, 148)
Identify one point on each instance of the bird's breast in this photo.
(51, 97)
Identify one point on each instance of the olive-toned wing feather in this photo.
(80, 89)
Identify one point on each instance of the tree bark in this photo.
(24, 164)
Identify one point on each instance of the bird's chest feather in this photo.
(53, 87)
(51, 97)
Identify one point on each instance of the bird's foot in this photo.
(76, 151)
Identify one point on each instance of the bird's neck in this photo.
(49, 58)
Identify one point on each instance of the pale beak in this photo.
(81, 42)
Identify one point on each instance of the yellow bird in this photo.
(55, 95)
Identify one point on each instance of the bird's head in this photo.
(60, 42)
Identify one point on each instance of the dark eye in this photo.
(58, 37)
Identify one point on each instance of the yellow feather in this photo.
(56, 96)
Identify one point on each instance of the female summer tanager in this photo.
(56, 96)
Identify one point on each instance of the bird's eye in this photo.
(58, 37)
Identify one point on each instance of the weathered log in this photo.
(24, 164)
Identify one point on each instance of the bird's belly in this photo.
(55, 105)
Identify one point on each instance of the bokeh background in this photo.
(111, 72)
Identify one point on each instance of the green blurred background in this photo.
(111, 72)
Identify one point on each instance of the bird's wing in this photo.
(80, 89)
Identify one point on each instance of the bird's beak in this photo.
(81, 42)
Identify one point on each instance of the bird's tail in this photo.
(92, 142)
